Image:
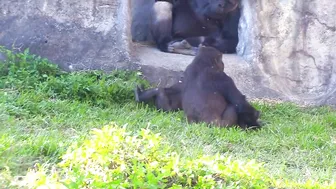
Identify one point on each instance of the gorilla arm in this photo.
(247, 115)
(226, 87)
(161, 24)
(227, 39)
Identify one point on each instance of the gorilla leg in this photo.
(145, 95)
(161, 24)
(166, 99)
(169, 98)
(182, 47)
(157, 95)
(190, 45)
(226, 118)
(229, 117)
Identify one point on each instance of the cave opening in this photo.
(141, 23)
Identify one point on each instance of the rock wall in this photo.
(292, 44)
(77, 34)
(286, 49)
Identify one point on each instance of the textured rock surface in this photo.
(90, 34)
(286, 49)
(292, 43)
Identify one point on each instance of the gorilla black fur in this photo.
(206, 94)
(177, 26)
(166, 99)
(211, 96)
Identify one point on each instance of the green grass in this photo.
(44, 110)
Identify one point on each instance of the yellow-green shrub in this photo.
(114, 158)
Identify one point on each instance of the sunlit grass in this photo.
(39, 120)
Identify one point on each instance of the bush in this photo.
(23, 71)
(114, 158)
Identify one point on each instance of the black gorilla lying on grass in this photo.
(166, 99)
(206, 94)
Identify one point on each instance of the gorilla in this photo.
(168, 98)
(206, 94)
(179, 26)
(165, 99)
(211, 96)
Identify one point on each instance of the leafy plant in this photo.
(115, 158)
(24, 71)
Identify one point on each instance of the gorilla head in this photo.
(212, 57)
(216, 9)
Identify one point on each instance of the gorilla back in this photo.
(210, 95)
(200, 104)
(195, 20)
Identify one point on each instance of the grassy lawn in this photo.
(43, 111)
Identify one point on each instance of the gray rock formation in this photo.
(292, 44)
(286, 49)
(90, 34)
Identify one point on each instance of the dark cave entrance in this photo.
(141, 34)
